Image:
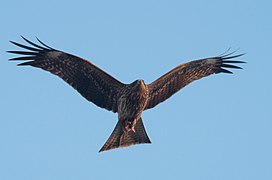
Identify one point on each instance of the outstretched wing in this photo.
(179, 77)
(91, 82)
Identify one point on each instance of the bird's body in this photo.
(131, 102)
(128, 100)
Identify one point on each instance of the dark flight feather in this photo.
(170, 83)
(91, 82)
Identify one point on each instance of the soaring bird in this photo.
(128, 100)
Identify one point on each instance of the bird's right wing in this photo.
(170, 83)
(90, 81)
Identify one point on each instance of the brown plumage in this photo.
(128, 100)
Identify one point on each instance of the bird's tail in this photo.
(121, 138)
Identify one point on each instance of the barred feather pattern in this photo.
(91, 82)
(170, 83)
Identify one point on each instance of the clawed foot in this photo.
(133, 129)
(129, 126)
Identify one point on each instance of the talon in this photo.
(128, 126)
(133, 129)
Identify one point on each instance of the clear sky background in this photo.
(217, 128)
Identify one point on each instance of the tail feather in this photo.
(121, 138)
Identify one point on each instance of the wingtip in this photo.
(100, 151)
(231, 57)
(225, 71)
(44, 44)
(13, 42)
(28, 63)
(230, 66)
(231, 61)
(37, 38)
(25, 39)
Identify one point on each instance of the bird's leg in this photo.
(129, 125)
(132, 128)
(133, 125)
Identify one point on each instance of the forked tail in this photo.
(121, 138)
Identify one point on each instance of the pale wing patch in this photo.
(54, 54)
(211, 61)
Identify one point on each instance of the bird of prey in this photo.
(128, 100)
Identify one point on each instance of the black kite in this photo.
(128, 100)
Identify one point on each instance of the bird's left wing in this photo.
(173, 81)
(90, 81)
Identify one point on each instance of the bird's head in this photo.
(138, 84)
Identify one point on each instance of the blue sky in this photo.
(217, 128)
